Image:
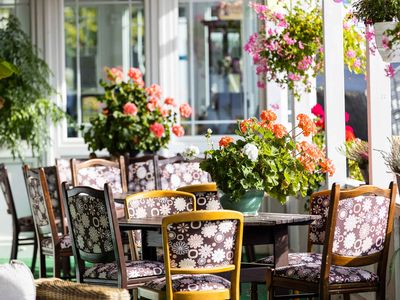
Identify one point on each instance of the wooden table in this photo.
(120, 197)
(266, 228)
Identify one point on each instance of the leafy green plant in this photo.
(133, 118)
(25, 107)
(266, 157)
(374, 11)
(7, 69)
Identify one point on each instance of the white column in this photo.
(379, 119)
(334, 87)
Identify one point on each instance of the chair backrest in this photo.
(176, 172)
(158, 203)
(54, 189)
(94, 229)
(206, 195)
(41, 206)
(319, 205)
(203, 242)
(96, 172)
(142, 173)
(8, 196)
(359, 228)
(64, 170)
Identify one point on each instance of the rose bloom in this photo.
(268, 115)
(170, 101)
(154, 91)
(178, 130)
(327, 166)
(130, 109)
(135, 74)
(306, 124)
(225, 141)
(157, 129)
(185, 110)
(279, 131)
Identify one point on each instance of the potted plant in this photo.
(392, 158)
(289, 48)
(265, 159)
(25, 107)
(384, 15)
(134, 118)
(357, 152)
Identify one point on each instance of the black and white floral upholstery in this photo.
(319, 206)
(52, 186)
(207, 201)
(97, 176)
(183, 283)
(295, 259)
(202, 244)
(134, 269)
(174, 175)
(39, 210)
(141, 176)
(158, 206)
(65, 242)
(338, 274)
(90, 224)
(361, 225)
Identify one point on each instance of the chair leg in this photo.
(14, 247)
(56, 266)
(254, 291)
(42, 264)
(35, 248)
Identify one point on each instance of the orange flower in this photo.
(306, 124)
(327, 166)
(268, 115)
(246, 124)
(314, 152)
(225, 141)
(302, 146)
(307, 163)
(266, 125)
(279, 130)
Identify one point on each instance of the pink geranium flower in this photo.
(135, 74)
(178, 130)
(185, 110)
(130, 109)
(157, 129)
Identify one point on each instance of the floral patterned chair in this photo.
(64, 170)
(175, 172)
(96, 172)
(51, 241)
(358, 231)
(152, 204)
(196, 246)
(206, 195)
(142, 173)
(96, 241)
(20, 225)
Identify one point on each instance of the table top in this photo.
(263, 219)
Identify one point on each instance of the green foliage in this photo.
(24, 105)
(278, 169)
(374, 11)
(7, 69)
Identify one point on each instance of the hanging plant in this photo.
(289, 47)
(25, 107)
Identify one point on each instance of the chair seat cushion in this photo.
(338, 274)
(134, 269)
(295, 258)
(65, 242)
(183, 283)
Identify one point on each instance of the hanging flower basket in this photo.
(389, 50)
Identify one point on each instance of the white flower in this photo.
(367, 244)
(205, 251)
(218, 255)
(228, 243)
(165, 209)
(195, 241)
(180, 204)
(251, 151)
(209, 230)
(180, 248)
(141, 172)
(351, 223)
(141, 212)
(213, 205)
(187, 263)
(191, 152)
(349, 240)
(225, 226)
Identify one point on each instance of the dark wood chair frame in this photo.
(117, 255)
(323, 288)
(17, 226)
(61, 256)
(120, 163)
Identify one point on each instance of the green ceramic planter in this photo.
(249, 203)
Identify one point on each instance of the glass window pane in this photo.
(210, 43)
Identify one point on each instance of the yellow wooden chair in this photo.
(153, 204)
(197, 245)
(206, 195)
